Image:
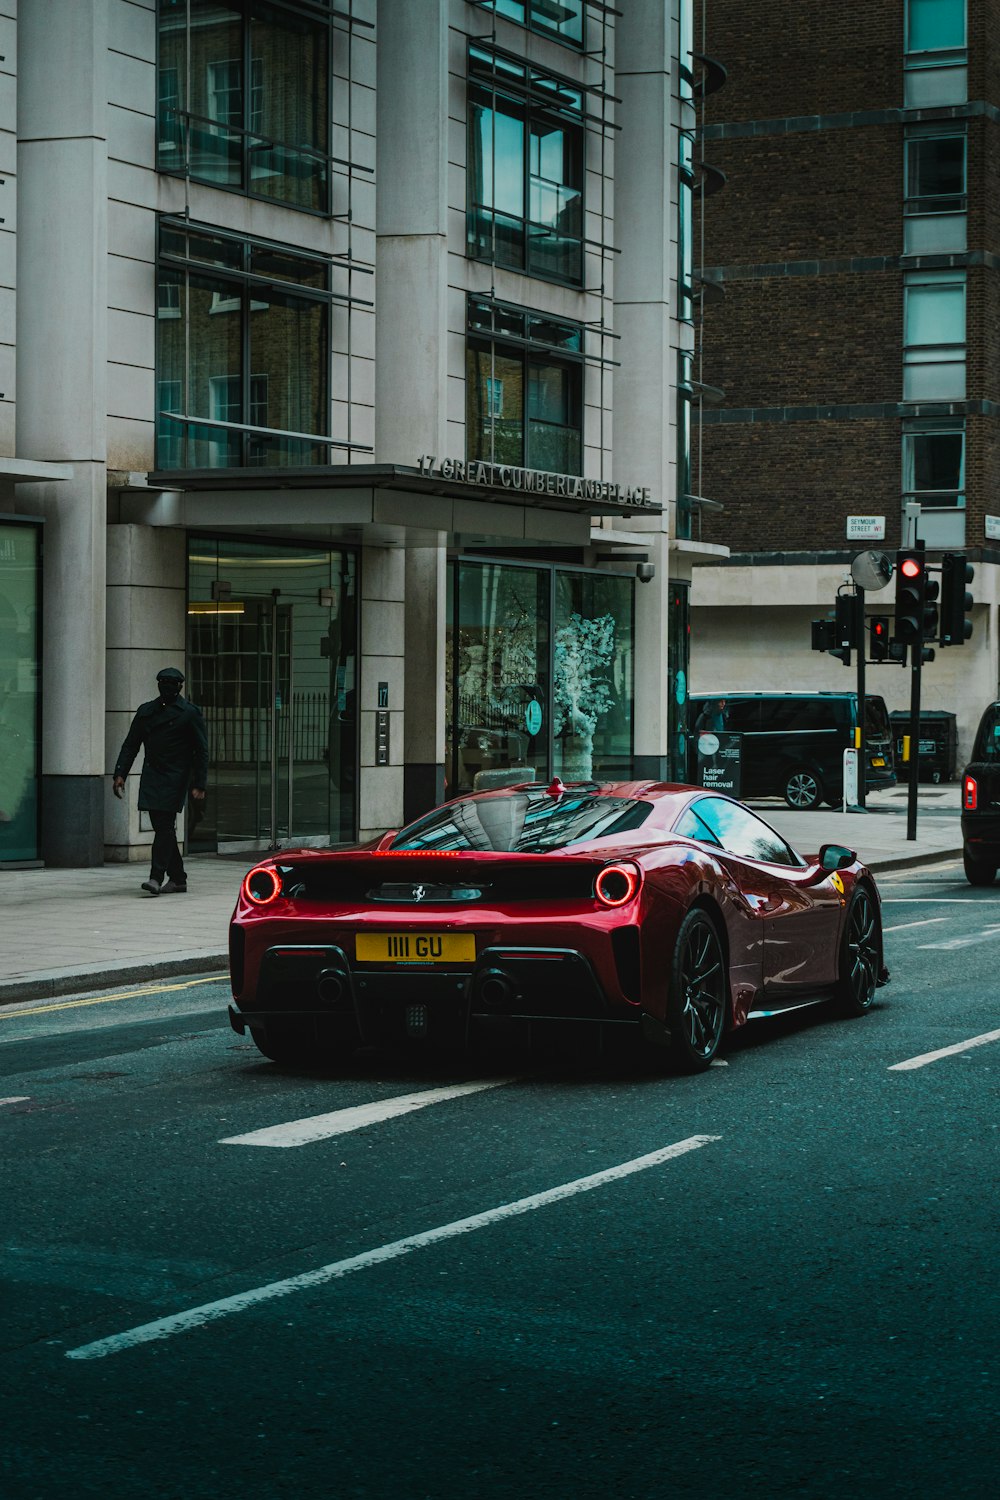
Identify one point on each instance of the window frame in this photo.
(492, 76)
(531, 23)
(925, 498)
(531, 352)
(929, 57)
(939, 354)
(234, 294)
(251, 95)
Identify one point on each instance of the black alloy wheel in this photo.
(699, 993)
(803, 790)
(978, 871)
(860, 954)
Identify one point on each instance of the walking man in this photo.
(172, 732)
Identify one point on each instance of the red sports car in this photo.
(670, 910)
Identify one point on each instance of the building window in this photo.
(20, 689)
(524, 388)
(525, 175)
(243, 343)
(934, 189)
(934, 336)
(244, 97)
(558, 18)
(934, 477)
(935, 65)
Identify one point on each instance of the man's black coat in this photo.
(176, 745)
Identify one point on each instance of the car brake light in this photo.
(262, 885)
(617, 884)
(970, 794)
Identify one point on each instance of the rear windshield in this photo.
(988, 738)
(523, 822)
(877, 726)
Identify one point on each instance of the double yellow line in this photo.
(156, 989)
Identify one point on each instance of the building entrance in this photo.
(273, 673)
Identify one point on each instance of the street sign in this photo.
(993, 528)
(866, 528)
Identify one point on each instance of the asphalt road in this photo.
(796, 1294)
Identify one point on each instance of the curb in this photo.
(905, 861)
(107, 976)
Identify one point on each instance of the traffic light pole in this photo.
(916, 665)
(862, 640)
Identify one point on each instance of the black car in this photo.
(981, 802)
(792, 744)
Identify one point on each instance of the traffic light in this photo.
(956, 601)
(911, 583)
(931, 590)
(878, 631)
(847, 620)
(826, 636)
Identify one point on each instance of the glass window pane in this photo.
(935, 461)
(935, 171)
(554, 418)
(561, 17)
(935, 24)
(494, 407)
(19, 685)
(742, 834)
(935, 314)
(499, 667)
(593, 689)
(288, 386)
(289, 107)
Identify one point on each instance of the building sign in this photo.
(719, 761)
(993, 528)
(537, 482)
(866, 528)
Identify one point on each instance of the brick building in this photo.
(857, 346)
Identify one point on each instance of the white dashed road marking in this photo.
(924, 922)
(16, 1099)
(209, 1312)
(929, 1057)
(343, 1121)
(963, 940)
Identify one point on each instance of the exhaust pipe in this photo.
(329, 986)
(495, 989)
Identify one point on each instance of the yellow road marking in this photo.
(158, 989)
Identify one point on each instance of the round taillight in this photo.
(617, 884)
(262, 885)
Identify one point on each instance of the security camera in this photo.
(645, 572)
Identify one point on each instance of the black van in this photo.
(981, 802)
(793, 744)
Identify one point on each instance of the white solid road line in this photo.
(208, 1312)
(962, 940)
(342, 1121)
(924, 922)
(929, 1057)
(16, 1099)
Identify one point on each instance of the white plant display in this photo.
(584, 650)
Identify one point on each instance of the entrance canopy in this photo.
(473, 503)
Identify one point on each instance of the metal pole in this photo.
(275, 689)
(862, 734)
(916, 663)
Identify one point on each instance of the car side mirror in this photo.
(836, 857)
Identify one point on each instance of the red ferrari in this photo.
(670, 910)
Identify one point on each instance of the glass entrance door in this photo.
(273, 671)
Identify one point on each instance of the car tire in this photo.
(286, 1042)
(698, 1000)
(803, 790)
(978, 871)
(860, 953)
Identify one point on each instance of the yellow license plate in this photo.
(416, 948)
(878, 760)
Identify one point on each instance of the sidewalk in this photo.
(65, 931)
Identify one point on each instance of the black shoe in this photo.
(152, 886)
(173, 888)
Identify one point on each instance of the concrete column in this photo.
(411, 372)
(62, 251)
(383, 571)
(645, 272)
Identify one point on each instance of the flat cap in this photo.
(170, 672)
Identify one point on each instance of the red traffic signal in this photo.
(878, 630)
(911, 589)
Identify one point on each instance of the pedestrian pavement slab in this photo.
(64, 931)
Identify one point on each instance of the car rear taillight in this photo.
(262, 885)
(617, 884)
(970, 794)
